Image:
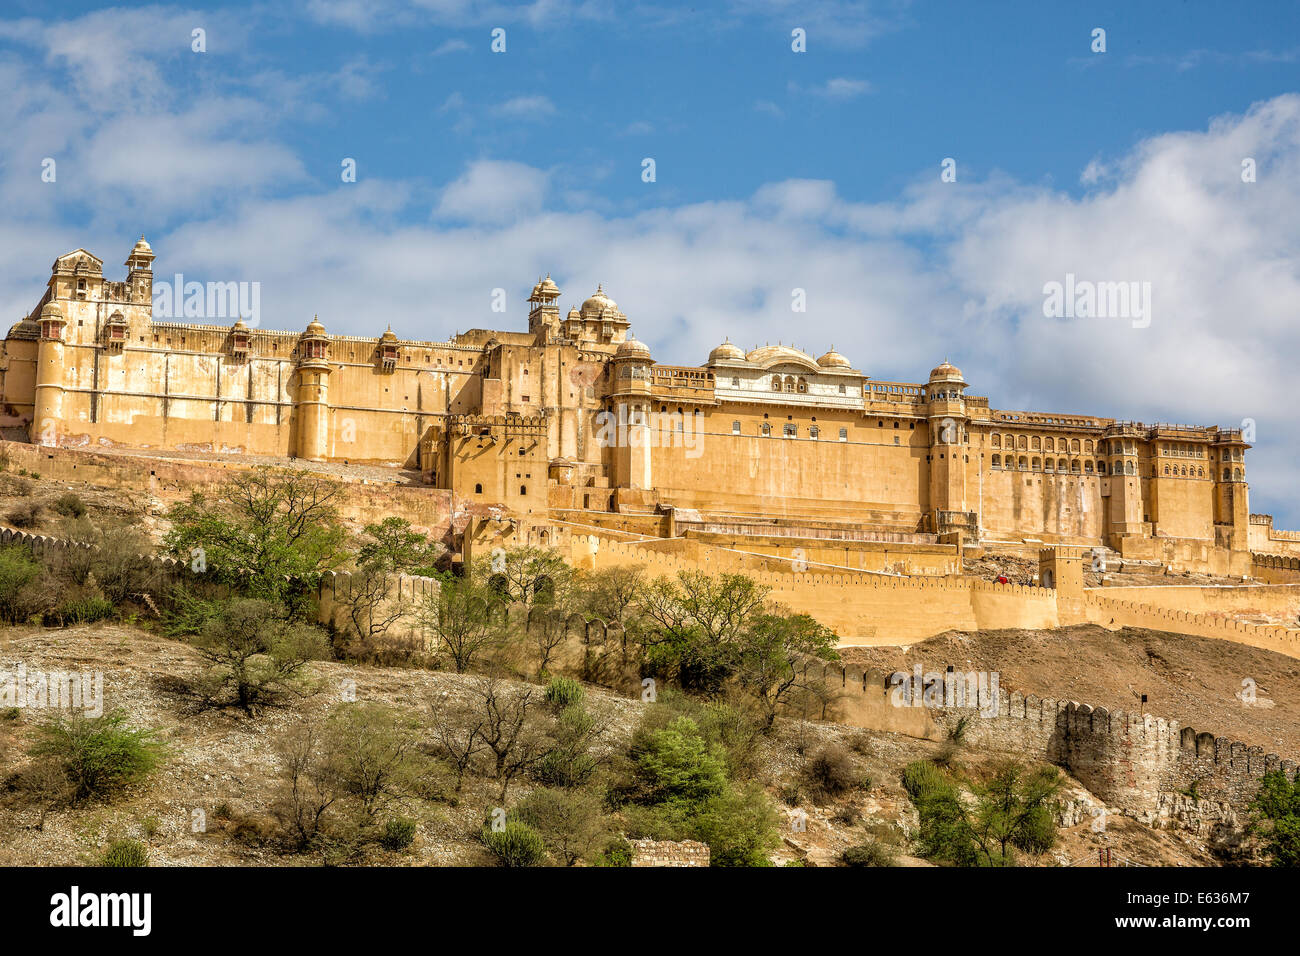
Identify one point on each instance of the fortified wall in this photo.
(1149, 767)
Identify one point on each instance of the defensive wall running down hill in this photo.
(1149, 767)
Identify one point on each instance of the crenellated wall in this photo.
(1137, 763)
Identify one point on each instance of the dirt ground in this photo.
(1194, 680)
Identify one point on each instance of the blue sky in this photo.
(775, 170)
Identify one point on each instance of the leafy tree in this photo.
(256, 654)
(535, 577)
(1015, 808)
(395, 547)
(1276, 814)
(270, 532)
(19, 598)
(694, 625)
(516, 844)
(463, 619)
(739, 825)
(774, 652)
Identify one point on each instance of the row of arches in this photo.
(789, 383)
(1039, 443)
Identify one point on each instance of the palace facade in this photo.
(574, 414)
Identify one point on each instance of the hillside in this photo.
(1191, 679)
(218, 758)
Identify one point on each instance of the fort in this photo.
(783, 445)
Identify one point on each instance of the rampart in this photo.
(1143, 765)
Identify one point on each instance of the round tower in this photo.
(313, 392)
(47, 416)
(629, 432)
(946, 413)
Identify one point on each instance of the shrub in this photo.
(740, 827)
(563, 692)
(399, 833)
(830, 773)
(18, 577)
(125, 853)
(570, 822)
(80, 610)
(69, 505)
(870, 853)
(98, 755)
(569, 763)
(677, 764)
(26, 515)
(618, 852)
(516, 844)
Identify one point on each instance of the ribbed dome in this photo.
(142, 246)
(632, 349)
(314, 327)
(599, 302)
(52, 311)
(389, 335)
(946, 372)
(727, 352)
(834, 359)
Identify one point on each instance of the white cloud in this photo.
(836, 88)
(526, 107)
(450, 46)
(493, 191)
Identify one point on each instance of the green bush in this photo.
(563, 692)
(82, 610)
(399, 833)
(677, 764)
(125, 853)
(870, 853)
(97, 755)
(69, 505)
(516, 844)
(617, 853)
(18, 572)
(740, 827)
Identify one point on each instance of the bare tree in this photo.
(456, 738)
(510, 729)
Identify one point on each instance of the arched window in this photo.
(1022, 443)
(1074, 445)
(997, 461)
(1087, 447)
(1036, 444)
(1166, 469)
(776, 383)
(844, 434)
(1101, 468)
(735, 428)
(1225, 474)
(1048, 465)
(478, 489)
(1237, 476)
(523, 489)
(1087, 467)
(1200, 472)
(1074, 467)
(996, 441)
(789, 383)
(813, 432)
(1049, 445)
(766, 430)
(803, 384)
(1129, 469)
(1037, 465)
(1023, 463)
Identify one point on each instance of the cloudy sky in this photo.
(774, 170)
